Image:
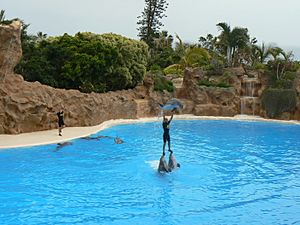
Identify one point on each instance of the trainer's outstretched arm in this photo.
(171, 118)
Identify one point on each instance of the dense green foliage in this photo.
(161, 83)
(162, 53)
(277, 101)
(174, 70)
(86, 61)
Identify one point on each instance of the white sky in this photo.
(270, 21)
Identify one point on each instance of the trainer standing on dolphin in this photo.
(166, 135)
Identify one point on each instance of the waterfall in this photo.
(249, 96)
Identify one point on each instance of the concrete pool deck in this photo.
(69, 133)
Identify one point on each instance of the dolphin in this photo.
(61, 145)
(173, 164)
(95, 138)
(118, 140)
(163, 166)
(172, 104)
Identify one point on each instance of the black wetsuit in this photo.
(166, 126)
(60, 116)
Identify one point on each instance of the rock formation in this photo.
(10, 47)
(207, 101)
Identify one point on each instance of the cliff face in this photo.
(29, 107)
(10, 47)
(207, 101)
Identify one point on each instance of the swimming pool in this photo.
(231, 172)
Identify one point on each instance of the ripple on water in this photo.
(231, 173)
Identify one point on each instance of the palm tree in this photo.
(2, 16)
(275, 52)
(163, 40)
(232, 40)
(180, 46)
(260, 53)
(281, 61)
(288, 56)
(224, 40)
(41, 36)
(208, 42)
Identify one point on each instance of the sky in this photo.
(270, 21)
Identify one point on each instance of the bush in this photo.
(282, 84)
(277, 101)
(216, 67)
(196, 57)
(208, 83)
(86, 61)
(289, 75)
(295, 66)
(161, 84)
(259, 66)
(156, 69)
(174, 69)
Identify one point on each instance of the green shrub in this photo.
(86, 87)
(282, 84)
(289, 75)
(161, 83)
(277, 101)
(295, 66)
(155, 69)
(86, 61)
(216, 67)
(259, 66)
(223, 85)
(196, 57)
(285, 82)
(174, 69)
(208, 83)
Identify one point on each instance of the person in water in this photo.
(166, 135)
(61, 123)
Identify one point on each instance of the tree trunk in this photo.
(229, 56)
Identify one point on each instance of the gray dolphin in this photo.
(163, 166)
(172, 104)
(118, 140)
(95, 138)
(173, 164)
(61, 145)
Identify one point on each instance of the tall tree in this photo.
(232, 40)
(150, 20)
(208, 42)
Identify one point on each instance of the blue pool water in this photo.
(231, 173)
